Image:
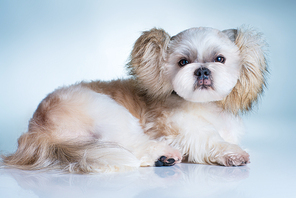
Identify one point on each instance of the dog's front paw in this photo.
(236, 159)
(230, 155)
(164, 161)
(170, 159)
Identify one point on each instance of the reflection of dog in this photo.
(182, 100)
(182, 180)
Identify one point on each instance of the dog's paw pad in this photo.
(164, 161)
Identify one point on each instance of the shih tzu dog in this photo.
(182, 102)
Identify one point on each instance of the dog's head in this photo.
(201, 65)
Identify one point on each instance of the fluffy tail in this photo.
(36, 152)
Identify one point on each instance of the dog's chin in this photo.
(201, 95)
(193, 92)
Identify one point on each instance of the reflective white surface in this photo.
(272, 173)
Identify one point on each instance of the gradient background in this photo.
(47, 44)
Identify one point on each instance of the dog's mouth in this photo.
(203, 84)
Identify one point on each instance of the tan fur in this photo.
(36, 151)
(147, 64)
(45, 145)
(125, 92)
(252, 80)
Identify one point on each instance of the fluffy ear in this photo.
(252, 80)
(147, 63)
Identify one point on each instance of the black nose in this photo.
(202, 73)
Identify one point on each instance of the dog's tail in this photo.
(36, 151)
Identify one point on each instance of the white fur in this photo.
(200, 44)
(203, 128)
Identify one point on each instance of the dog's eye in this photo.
(183, 62)
(220, 59)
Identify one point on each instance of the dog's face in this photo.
(203, 64)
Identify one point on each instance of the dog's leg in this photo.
(210, 136)
(155, 153)
(207, 146)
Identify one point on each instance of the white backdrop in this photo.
(47, 44)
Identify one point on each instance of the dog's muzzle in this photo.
(203, 77)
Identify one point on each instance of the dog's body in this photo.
(176, 105)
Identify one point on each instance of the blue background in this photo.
(47, 44)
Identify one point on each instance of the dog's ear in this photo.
(252, 79)
(147, 61)
(231, 33)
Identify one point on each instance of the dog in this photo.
(183, 101)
